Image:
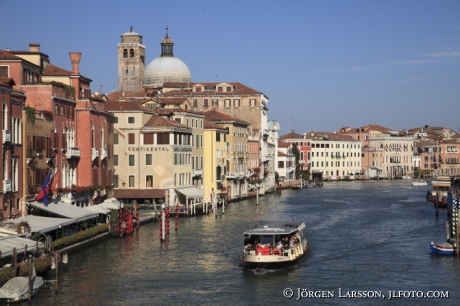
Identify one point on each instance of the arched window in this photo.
(131, 53)
(125, 53)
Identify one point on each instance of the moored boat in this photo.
(274, 244)
(17, 288)
(445, 248)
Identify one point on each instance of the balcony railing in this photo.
(220, 161)
(103, 153)
(94, 153)
(231, 175)
(197, 172)
(72, 153)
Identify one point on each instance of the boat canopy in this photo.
(276, 228)
(441, 183)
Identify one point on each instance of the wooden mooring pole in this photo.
(30, 278)
(56, 255)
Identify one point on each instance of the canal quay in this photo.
(371, 236)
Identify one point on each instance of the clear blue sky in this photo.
(323, 64)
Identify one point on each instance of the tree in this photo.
(296, 153)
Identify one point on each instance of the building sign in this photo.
(148, 149)
(182, 149)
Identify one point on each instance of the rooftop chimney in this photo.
(8, 49)
(34, 47)
(75, 60)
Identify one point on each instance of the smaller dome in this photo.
(167, 40)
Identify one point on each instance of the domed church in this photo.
(165, 68)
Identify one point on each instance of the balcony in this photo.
(94, 153)
(6, 136)
(231, 175)
(72, 153)
(243, 174)
(103, 153)
(267, 157)
(197, 172)
(220, 161)
(6, 186)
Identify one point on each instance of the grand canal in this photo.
(363, 236)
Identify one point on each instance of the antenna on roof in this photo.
(217, 78)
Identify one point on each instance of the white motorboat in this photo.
(17, 288)
(274, 244)
(419, 183)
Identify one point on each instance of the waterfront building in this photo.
(233, 99)
(302, 145)
(59, 109)
(215, 156)
(273, 128)
(153, 155)
(335, 155)
(195, 122)
(84, 133)
(286, 162)
(428, 152)
(236, 169)
(11, 168)
(385, 153)
(449, 157)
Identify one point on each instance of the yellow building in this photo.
(215, 156)
(152, 156)
(236, 161)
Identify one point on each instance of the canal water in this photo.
(372, 237)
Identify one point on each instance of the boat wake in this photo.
(261, 271)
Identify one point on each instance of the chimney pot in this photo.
(75, 60)
(34, 47)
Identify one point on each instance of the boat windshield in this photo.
(267, 239)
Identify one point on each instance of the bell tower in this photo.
(131, 61)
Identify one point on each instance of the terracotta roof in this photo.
(329, 136)
(157, 120)
(283, 144)
(170, 100)
(211, 125)
(291, 135)
(366, 128)
(125, 106)
(210, 88)
(5, 55)
(52, 70)
(216, 116)
(139, 193)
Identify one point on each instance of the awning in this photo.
(441, 183)
(139, 193)
(190, 192)
(111, 203)
(7, 244)
(65, 210)
(97, 209)
(41, 224)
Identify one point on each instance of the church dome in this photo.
(166, 68)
